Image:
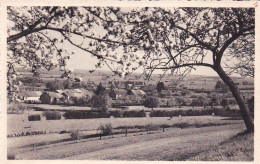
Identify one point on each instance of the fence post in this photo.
(163, 129)
(125, 132)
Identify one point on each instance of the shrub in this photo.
(224, 103)
(165, 126)
(75, 135)
(101, 101)
(151, 102)
(151, 127)
(35, 117)
(181, 125)
(52, 115)
(85, 114)
(217, 112)
(116, 113)
(228, 108)
(106, 129)
(134, 113)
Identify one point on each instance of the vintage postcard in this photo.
(129, 81)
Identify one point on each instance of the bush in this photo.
(224, 103)
(151, 127)
(116, 113)
(151, 102)
(35, 117)
(134, 113)
(85, 114)
(75, 135)
(217, 112)
(52, 115)
(228, 108)
(106, 129)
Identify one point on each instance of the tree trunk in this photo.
(245, 113)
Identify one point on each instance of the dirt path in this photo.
(174, 144)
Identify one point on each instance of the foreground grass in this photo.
(173, 144)
(238, 148)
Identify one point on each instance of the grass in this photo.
(238, 148)
(18, 123)
(89, 127)
(170, 145)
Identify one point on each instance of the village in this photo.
(74, 91)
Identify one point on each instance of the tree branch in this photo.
(185, 65)
(228, 42)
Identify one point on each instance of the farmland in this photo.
(174, 144)
(25, 146)
(18, 123)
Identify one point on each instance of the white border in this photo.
(123, 3)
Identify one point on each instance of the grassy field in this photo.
(18, 123)
(174, 144)
(238, 148)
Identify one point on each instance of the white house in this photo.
(30, 96)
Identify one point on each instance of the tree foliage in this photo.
(151, 102)
(54, 85)
(224, 102)
(101, 102)
(160, 86)
(100, 90)
(221, 86)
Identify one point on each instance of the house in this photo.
(117, 93)
(247, 93)
(166, 93)
(127, 83)
(59, 91)
(246, 88)
(30, 96)
(166, 102)
(72, 94)
(51, 98)
(137, 93)
(90, 85)
(149, 89)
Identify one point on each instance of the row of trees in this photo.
(173, 40)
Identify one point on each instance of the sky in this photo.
(83, 60)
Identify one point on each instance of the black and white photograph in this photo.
(130, 83)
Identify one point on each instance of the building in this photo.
(72, 94)
(30, 96)
(137, 93)
(51, 98)
(117, 93)
(127, 84)
(246, 88)
(247, 94)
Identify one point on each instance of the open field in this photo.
(174, 144)
(18, 123)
